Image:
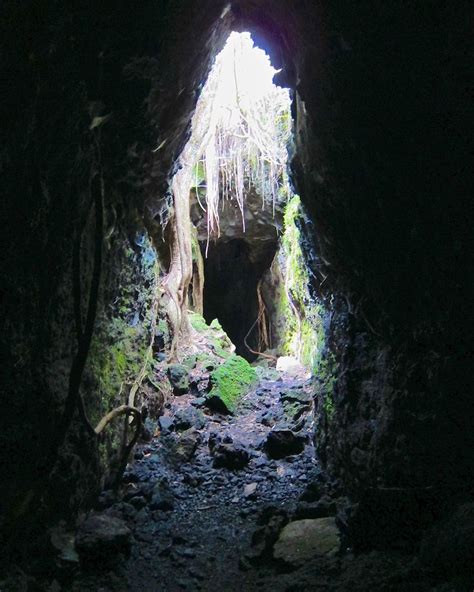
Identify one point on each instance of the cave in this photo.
(101, 290)
(230, 289)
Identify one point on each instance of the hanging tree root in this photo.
(262, 328)
(104, 422)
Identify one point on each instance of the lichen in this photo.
(231, 380)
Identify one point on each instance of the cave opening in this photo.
(235, 169)
(100, 270)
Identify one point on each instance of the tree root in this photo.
(108, 418)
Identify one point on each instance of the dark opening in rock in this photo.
(232, 271)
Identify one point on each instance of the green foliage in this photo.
(239, 138)
(231, 380)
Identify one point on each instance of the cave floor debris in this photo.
(192, 522)
(204, 502)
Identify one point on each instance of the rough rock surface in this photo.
(179, 378)
(101, 535)
(449, 547)
(281, 443)
(301, 540)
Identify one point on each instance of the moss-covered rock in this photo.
(218, 340)
(230, 381)
(179, 378)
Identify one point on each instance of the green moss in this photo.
(303, 332)
(198, 323)
(120, 345)
(214, 334)
(326, 372)
(231, 380)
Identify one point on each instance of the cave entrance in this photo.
(233, 271)
(248, 271)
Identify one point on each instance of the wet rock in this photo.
(189, 417)
(302, 540)
(179, 378)
(101, 536)
(282, 443)
(166, 423)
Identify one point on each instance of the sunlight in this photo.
(246, 74)
(240, 133)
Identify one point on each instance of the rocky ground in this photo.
(225, 494)
(219, 502)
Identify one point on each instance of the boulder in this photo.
(189, 417)
(166, 423)
(102, 536)
(198, 402)
(301, 540)
(297, 395)
(162, 498)
(179, 378)
(227, 454)
(283, 442)
(184, 447)
(230, 381)
(230, 456)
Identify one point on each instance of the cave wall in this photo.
(380, 107)
(380, 164)
(79, 120)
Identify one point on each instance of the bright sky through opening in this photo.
(246, 74)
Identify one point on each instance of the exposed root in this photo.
(117, 412)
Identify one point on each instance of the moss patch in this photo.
(120, 347)
(231, 380)
(217, 338)
(304, 335)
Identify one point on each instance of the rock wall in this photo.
(380, 166)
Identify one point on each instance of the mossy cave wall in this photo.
(380, 165)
